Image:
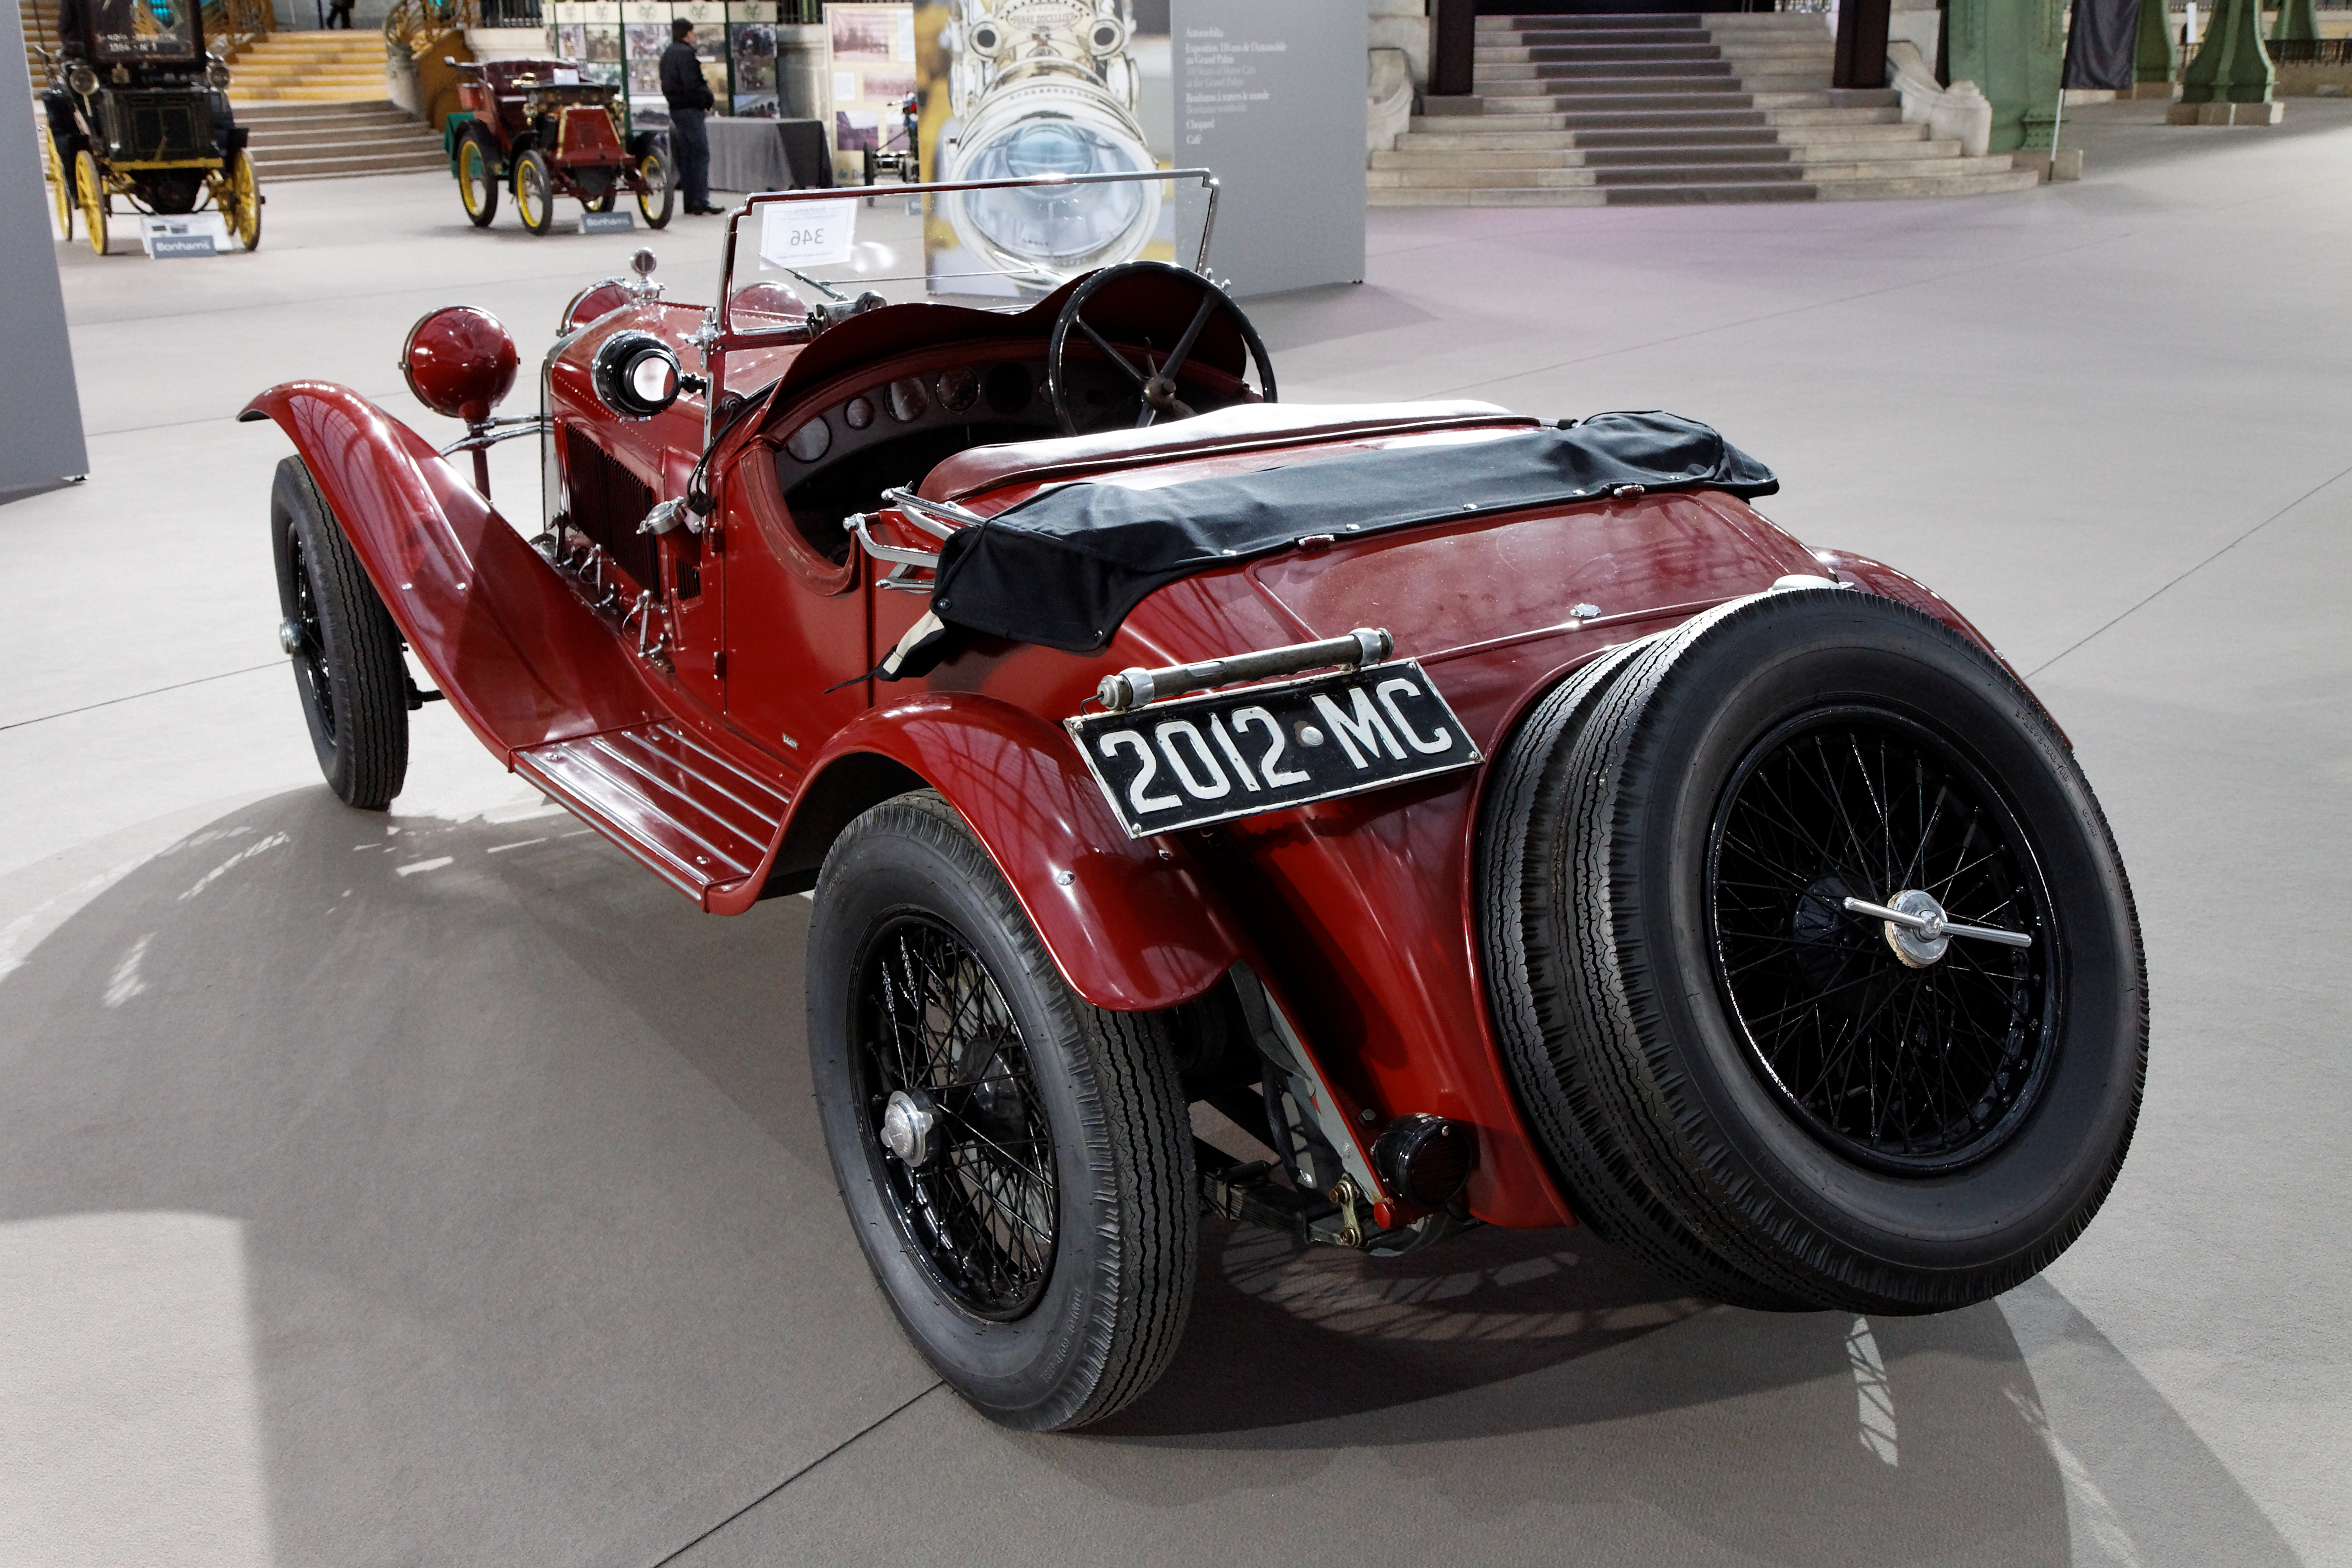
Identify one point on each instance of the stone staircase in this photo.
(1594, 110)
(319, 141)
(345, 66)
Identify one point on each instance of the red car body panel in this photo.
(1359, 913)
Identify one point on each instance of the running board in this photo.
(697, 820)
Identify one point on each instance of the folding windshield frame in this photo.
(720, 335)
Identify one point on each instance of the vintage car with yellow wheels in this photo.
(138, 109)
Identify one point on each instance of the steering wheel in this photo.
(1123, 302)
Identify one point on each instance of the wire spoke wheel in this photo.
(977, 1194)
(1908, 1066)
(311, 659)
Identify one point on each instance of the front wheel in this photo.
(345, 649)
(477, 188)
(1017, 1165)
(89, 196)
(659, 192)
(534, 190)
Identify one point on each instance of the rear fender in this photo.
(1888, 583)
(1132, 923)
(517, 653)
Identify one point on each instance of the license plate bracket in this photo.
(1193, 761)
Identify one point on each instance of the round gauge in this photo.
(857, 413)
(908, 401)
(958, 390)
(811, 441)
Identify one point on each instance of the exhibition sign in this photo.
(1270, 95)
(797, 234)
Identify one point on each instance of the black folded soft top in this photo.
(1064, 568)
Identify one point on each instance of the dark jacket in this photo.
(681, 78)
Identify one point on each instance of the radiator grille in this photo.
(607, 503)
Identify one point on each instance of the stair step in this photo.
(696, 819)
(1620, 21)
(1476, 179)
(1625, 158)
(1699, 175)
(1951, 166)
(1903, 187)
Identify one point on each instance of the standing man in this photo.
(690, 97)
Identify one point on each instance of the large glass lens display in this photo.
(1055, 227)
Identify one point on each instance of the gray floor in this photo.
(443, 1190)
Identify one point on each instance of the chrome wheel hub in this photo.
(291, 638)
(908, 1119)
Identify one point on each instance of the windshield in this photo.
(1001, 244)
(133, 30)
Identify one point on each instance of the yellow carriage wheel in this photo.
(240, 199)
(476, 188)
(60, 186)
(534, 190)
(656, 191)
(89, 195)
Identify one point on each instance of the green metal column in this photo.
(2295, 21)
(2014, 51)
(2158, 58)
(2231, 65)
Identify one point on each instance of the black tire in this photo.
(1040, 1331)
(1525, 833)
(1743, 1079)
(348, 669)
(533, 188)
(478, 185)
(659, 192)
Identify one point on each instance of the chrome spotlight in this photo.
(1047, 87)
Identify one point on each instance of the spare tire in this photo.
(1771, 1095)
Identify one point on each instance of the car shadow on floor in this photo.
(545, 1262)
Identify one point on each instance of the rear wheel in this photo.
(534, 190)
(655, 200)
(1017, 1165)
(476, 188)
(61, 189)
(89, 196)
(345, 649)
(1900, 1107)
(241, 205)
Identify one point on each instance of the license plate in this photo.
(1198, 760)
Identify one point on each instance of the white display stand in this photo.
(1270, 97)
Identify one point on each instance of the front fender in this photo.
(520, 657)
(1132, 923)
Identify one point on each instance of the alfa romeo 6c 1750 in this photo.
(1498, 818)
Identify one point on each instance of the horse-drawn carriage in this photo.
(138, 109)
(543, 131)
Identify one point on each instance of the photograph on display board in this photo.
(873, 77)
(753, 46)
(1014, 88)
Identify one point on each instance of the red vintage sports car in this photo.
(1495, 818)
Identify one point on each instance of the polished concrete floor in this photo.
(441, 1189)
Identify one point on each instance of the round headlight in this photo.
(81, 79)
(1059, 230)
(460, 362)
(217, 74)
(635, 374)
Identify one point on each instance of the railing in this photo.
(411, 25)
(813, 10)
(2309, 51)
(511, 14)
(231, 25)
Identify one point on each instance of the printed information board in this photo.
(1270, 96)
